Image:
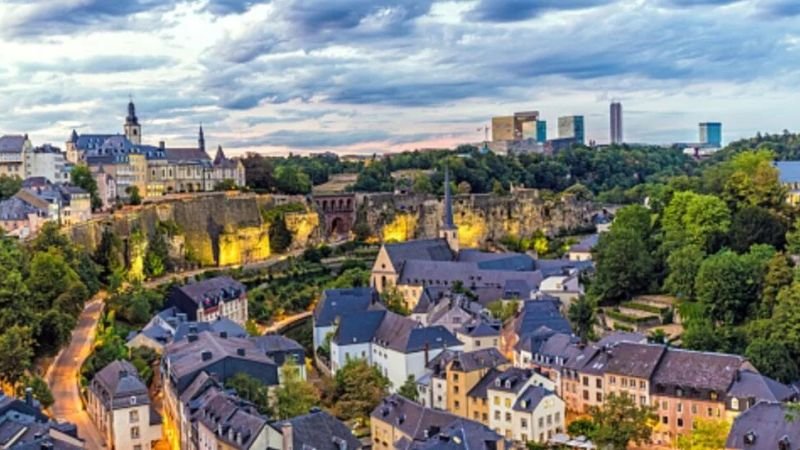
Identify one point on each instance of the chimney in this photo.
(288, 437)
(29, 396)
(206, 356)
(427, 355)
(240, 351)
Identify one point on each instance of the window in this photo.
(523, 423)
(455, 377)
(133, 416)
(694, 409)
(679, 392)
(137, 447)
(508, 417)
(710, 412)
(549, 419)
(612, 380)
(624, 382)
(664, 404)
(508, 403)
(599, 397)
(713, 396)
(455, 389)
(557, 418)
(599, 383)
(586, 395)
(456, 404)
(735, 404)
(497, 415)
(477, 343)
(585, 380)
(665, 420)
(134, 432)
(680, 407)
(643, 400)
(680, 422)
(497, 401)
(541, 422)
(642, 384)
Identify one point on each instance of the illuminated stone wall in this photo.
(480, 218)
(220, 229)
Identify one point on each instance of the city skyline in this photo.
(361, 76)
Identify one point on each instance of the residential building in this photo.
(789, 176)
(571, 127)
(338, 303)
(630, 369)
(172, 325)
(64, 203)
(23, 426)
(765, 426)
(432, 386)
(282, 350)
(106, 186)
(616, 123)
(399, 423)
(185, 374)
(48, 162)
(538, 415)
(463, 372)
(533, 315)
(316, 430)
(711, 134)
(582, 251)
(21, 216)
(221, 420)
(479, 334)
(398, 346)
(511, 386)
(207, 300)
(119, 404)
(13, 152)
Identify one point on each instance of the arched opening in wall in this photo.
(349, 203)
(383, 281)
(338, 226)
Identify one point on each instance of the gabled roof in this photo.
(187, 356)
(689, 369)
(231, 419)
(480, 390)
(634, 360)
(320, 431)
(480, 328)
(12, 143)
(223, 287)
(479, 359)
(221, 325)
(530, 398)
(538, 313)
(765, 425)
(343, 302)
(751, 384)
(277, 343)
(462, 434)
(358, 328)
(118, 385)
(511, 380)
(421, 249)
(411, 418)
(184, 155)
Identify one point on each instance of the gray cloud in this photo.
(518, 10)
(98, 64)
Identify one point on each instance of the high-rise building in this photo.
(521, 125)
(616, 122)
(503, 128)
(711, 134)
(571, 127)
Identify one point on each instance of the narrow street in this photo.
(65, 371)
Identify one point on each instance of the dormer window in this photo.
(735, 404)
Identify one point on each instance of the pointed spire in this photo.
(74, 137)
(201, 140)
(131, 119)
(448, 202)
(220, 156)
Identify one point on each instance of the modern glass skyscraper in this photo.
(711, 134)
(616, 123)
(571, 127)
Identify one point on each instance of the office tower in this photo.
(571, 127)
(541, 131)
(503, 128)
(711, 134)
(616, 123)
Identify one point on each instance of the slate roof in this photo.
(221, 325)
(480, 390)
(591, 360)
(530, 398)
(117, 384)
(550, 267)
(277, 343)
(187, 357)
(498, 261)
(486, 358)
(358, 328)
(223, 287)
(411, 418)
(415, 271)
(635, 360)
(688, 369)
(766, 424)
(19, 435)
(751, 384)
(586, 244)
(511, 380)
(421, 249)
(406, 336)
(15, 208)
(320, 431)
(462, 434)
(187, 155)
(343, 302)
(12, 143)
(538, 313)
(480, 328)
(788, 171)
(231, 419)
(615, 337)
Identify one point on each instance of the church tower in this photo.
(201, 139)
(133, 131)
(449, 231)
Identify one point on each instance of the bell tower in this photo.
(449, 231)
(133, 131)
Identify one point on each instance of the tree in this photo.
(394, 301)
(16, 353)
(39, 389)
(624, 266)
(779, 275)
(582, 427)
(756, 225)
(754, 180)
(773, 359)
(683, 264)
(503, 310)
(109, 253)
(54, 331)
(358, 388)
(409, 389)
(134, 197)
(620, 421)
(280, 238)
(422, 184)
(9, 186)
(226, 185)
(82, 178)
(251, 389)
(291, 180)
(793, 238)
(727, 285)
(294, 396)
(581, 314)
(658, 336)
(463, 188)
(706, 434)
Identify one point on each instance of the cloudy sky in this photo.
(377, 75)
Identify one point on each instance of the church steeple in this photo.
(201, 139)
(133, 131)
(449, 231)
